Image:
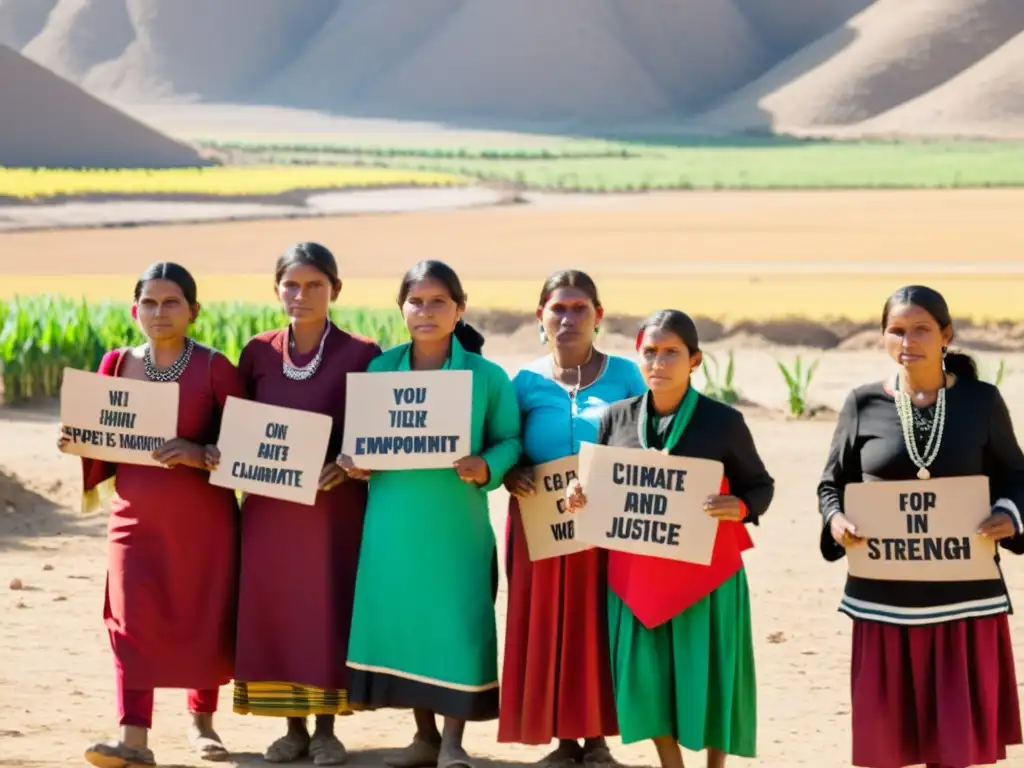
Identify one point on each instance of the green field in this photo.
(41, 335)
(734, 163)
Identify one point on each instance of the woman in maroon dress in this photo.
(557, 679)
(299, 562)
(172, 537)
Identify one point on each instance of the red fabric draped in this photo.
(657, 589)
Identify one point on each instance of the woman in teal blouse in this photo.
(423, 627)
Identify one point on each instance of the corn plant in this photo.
(999, 376)
(41, 335)
(722, 389)
(798, 382)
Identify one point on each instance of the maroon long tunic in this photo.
(299, 562)
(172, 548)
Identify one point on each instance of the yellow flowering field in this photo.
(217, 181)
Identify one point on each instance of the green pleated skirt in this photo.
(691, 678)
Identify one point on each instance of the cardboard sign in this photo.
(408, 419)
(271, 451)
(648, 503)
(921, 530)
(550, 530)
(116, 419)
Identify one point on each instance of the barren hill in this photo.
(894, 51)
(694, 50)
(513, 60)
(785, 26)
(79, 34)
(47, 121)
(21, 20)
(986, 99)
(718, 66)
(188, 49)
(360, 42)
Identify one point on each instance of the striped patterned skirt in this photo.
(270, 699)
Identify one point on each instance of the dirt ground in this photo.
(749, 255)
(56, 681)
(731, 254)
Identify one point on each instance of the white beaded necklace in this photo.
(905, 410)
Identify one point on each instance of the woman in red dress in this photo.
(557, 679)
(299, 562)
(172, 537)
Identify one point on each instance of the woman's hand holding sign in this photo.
(63, 440)
(575, 500)
(844, 532)
(331, 476)
(181, 452)
(998, 526)
(519, 482)
(725, 508)
(473, 469)
(350, 468)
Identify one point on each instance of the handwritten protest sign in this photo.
(271, 451)
(408, 419)
(116, 419)
(648, 503)
(921, 530)
(550, 530)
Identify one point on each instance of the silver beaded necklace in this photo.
(302, 373)
(906, 412)
(174, 371)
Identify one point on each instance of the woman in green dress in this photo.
(423, 628)
(680, 640)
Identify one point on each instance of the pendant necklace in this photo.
(905, 411)
(556, 371)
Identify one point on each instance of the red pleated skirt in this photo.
(556, 681)
(941, 695)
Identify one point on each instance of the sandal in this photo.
(287, 749)
(209, 748)
(114, 754)
(327, 750)
(454, 762)
(419, 754)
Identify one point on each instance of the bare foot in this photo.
(204, 740)
(453, 756)
(568, 751)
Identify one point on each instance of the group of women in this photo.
(382, 594)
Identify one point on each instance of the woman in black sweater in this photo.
(933, 679)
(680, 636)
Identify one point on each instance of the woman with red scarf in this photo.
(682, 652)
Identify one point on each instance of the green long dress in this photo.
(423, 628)
(692, 677)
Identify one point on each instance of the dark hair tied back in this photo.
(675, 321)
(469, 337)
(934, 303)
(308, 254)
(569, 278)
(177, 274)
